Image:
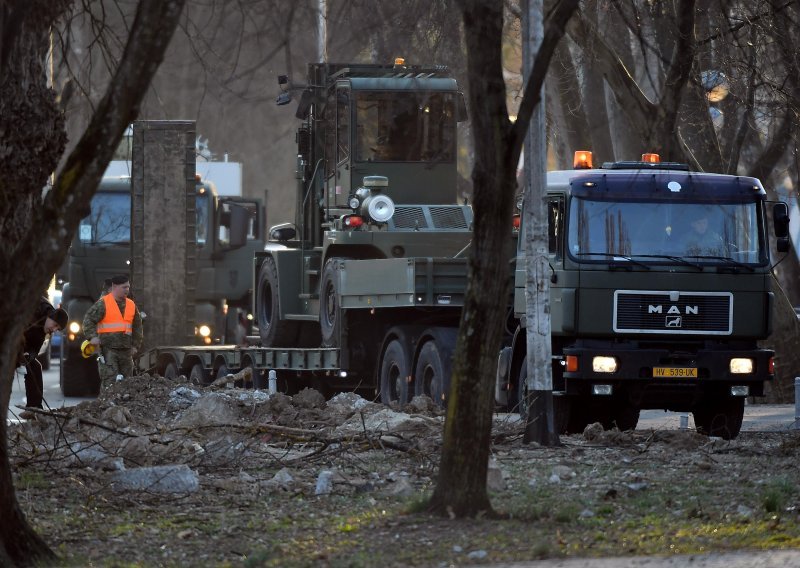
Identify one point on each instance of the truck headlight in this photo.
(204, 331)
(74, 327)
(741, 366)
(602, 364)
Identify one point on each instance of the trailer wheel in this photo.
(171, 371)
(395, 373)
(720, 417)
(197, 375)
(330, 313)
(434, 365)
(274, 331)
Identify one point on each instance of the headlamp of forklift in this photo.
(741, 366)
(74, 327)
(354, 202)
(602, 364)
(740, 390)
(204, 331)
(379, 208)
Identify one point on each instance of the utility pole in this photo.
(540, 423)
(322, 31)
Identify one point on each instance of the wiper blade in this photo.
(727, 259)
(615, 257)
(679, 259)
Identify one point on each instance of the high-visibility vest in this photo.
(114, 321)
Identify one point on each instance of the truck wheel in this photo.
(563, 406)
(720, 417)
(330, 313)
(274, 331)
(395, 373)
(625, 416)
(79, 376)
(434, 365)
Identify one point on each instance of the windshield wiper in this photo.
(679, 259)
(615, 256)
(729, 260)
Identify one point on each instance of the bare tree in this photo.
(35, 223)
(461, 485)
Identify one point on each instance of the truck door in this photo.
(339, 180)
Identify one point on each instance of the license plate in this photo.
(687, 372)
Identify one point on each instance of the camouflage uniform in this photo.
(115, 348)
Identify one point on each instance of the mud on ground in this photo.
(161, 472)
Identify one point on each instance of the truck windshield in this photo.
(109, 221)
(402, 126)
(665, 232)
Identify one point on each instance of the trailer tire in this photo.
(274, 331)
(330, 312)
(721, 417)
(171, 371)
(197, 376)
(395, 373)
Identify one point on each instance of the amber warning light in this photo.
(582, 160)
(651, 158)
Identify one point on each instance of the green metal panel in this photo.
(289, 264)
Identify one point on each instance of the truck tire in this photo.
(274, 331)
(565, 418)
(435, 364)
(395, 373)
(330, 313)
(79, 376)
(624, 416)
(721, 417)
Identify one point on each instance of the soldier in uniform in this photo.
(114, 325)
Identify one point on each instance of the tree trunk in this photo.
(35, 228)
(461, 487)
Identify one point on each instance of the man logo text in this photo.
(673, 310)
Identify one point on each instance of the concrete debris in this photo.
(324, 482)
(495, 477)
(213, 408)
(182, 398)
(169, 479)
(119, 416)
(400, 488)
(388, 420)
(309, 398)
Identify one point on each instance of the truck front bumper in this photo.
(659, 378)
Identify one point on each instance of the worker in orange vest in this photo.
(114, 325)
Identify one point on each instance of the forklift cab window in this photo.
(397, 126)
(109, 221)
(342, 125)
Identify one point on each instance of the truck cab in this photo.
(661, 290)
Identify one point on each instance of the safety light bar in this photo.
(582, 160)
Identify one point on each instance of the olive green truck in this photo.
(364, 289)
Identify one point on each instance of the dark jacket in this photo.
(34, 334)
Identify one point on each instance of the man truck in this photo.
(365, 288)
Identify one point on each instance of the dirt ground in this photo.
(161, 472)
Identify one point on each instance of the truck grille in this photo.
(425, 217)
(687, 313)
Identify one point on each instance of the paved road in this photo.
(757, 417)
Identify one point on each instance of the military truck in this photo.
(101, 249)
(366, 286)
(660, 291)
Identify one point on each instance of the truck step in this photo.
(308, 296)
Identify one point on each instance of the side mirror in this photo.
(780, 219)
(282, 233)
(240, 222)
(780, 222)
